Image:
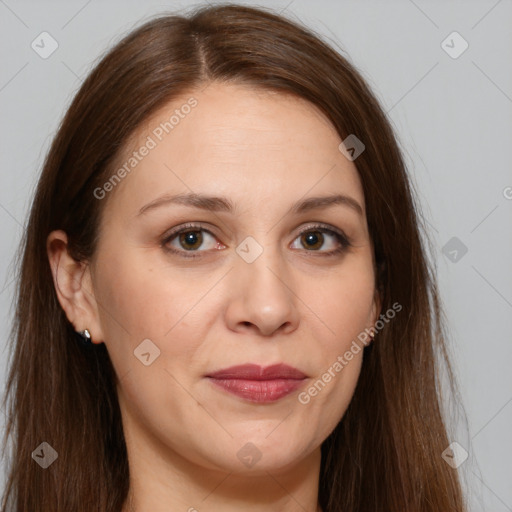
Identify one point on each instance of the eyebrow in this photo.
(223, 204)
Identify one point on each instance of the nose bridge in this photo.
(262, 266)
(264, 293)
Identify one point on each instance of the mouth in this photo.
(257, 384)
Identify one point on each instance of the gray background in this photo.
(453, 117)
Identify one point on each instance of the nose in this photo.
(262, 298)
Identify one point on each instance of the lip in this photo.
(257, 372)
(258, 384)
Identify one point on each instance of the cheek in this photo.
(150, 335)
(145, 295)
(337, 360)
(344, 304)
(140, 302)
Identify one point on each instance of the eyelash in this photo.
(322, 228)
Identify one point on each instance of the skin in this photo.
(264, 151)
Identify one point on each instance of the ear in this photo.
(73, 284)
(380, 271)
(376, 307)
(375, 310)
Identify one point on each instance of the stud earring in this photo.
(84, 338)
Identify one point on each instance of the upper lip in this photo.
(257, 372)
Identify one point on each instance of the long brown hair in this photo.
(385, 454)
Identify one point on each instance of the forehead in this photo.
(237, 141)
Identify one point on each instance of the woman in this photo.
(224, 299)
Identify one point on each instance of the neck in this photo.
(195, 489)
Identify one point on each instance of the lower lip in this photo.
(259, 391)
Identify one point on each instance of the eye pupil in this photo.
(191, 237)
(313, 240)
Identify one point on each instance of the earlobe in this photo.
(72, 285)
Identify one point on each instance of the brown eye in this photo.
(312, 239)
(325, 241)
(190, 240)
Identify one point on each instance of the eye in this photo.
(190, 239)
(314, 238)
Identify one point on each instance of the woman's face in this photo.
(256, 280)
